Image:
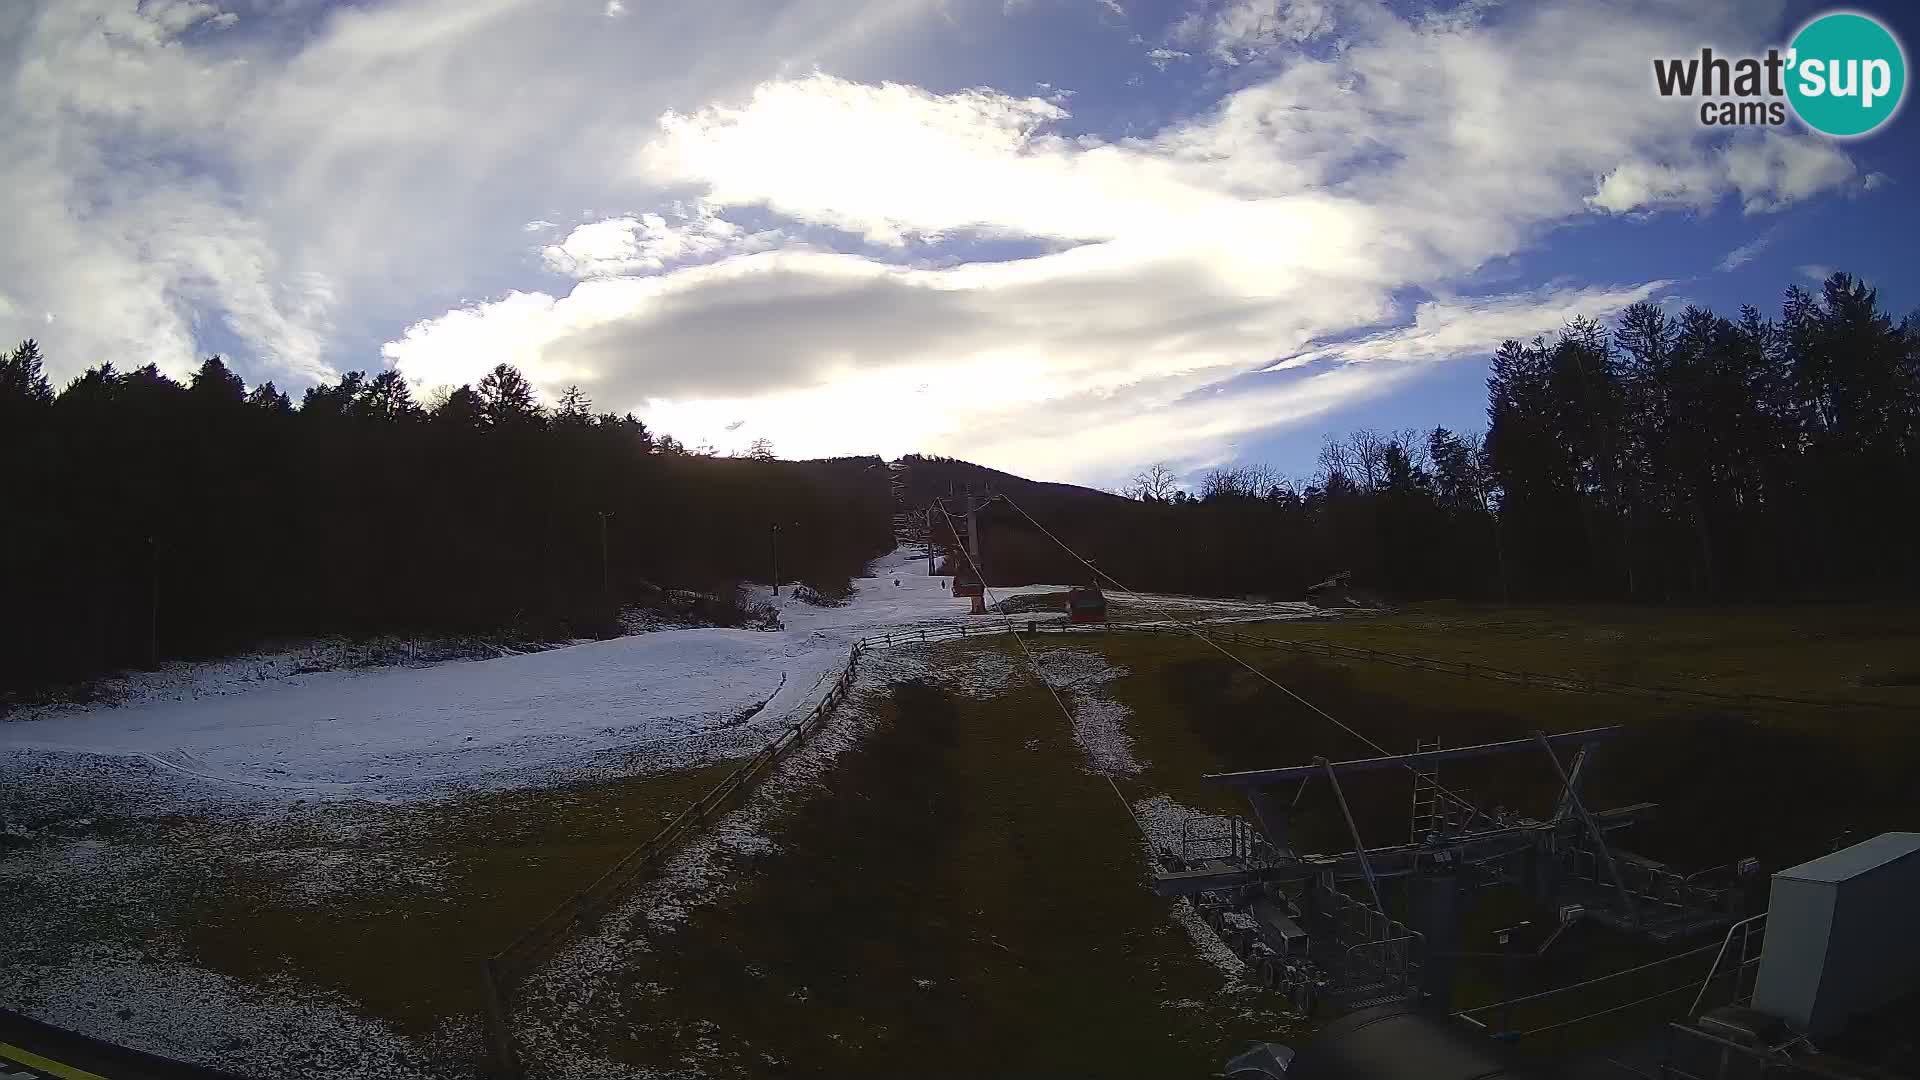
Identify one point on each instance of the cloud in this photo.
(288, 193)
(1171, 263)
(1442, 329)
(1769, 172)
(650, 241)
(840, 262)
(1236, 32)
(1818, 273)
(1162, 57)
(1744, 254)
(1875, 181)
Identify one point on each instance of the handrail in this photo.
(1713, 972)
(1384, 967)
(1603, 1012)
(1588, 982)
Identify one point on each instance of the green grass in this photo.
(408, 954)
(1858, 653)
(962, 845)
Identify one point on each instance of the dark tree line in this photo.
(148, 519)
(1669, 458)
(1687, 458)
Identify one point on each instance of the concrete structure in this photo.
(1840, 934)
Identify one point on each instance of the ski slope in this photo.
(632, 704)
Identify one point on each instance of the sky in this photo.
(1065, 238)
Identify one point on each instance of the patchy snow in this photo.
(1100, 729)
(265, 730)
(245, 743)
(559, 1014)
(91, 944)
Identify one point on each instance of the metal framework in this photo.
(1293, 918)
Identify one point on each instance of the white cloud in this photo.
(1477, 325)
(1777, 170)
(1817, 273)
(1162, 57)
(337, 163)
(1744, 254)
(318, 189)
(1235, 32)
(628, 245)
(1638, 185)
(1179, 259)
(615, 9)
(1769, 172)
(1875, 181)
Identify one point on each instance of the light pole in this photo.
(773, 543)
(153, 609)
(606, 589)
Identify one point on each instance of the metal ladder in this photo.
(1426, 817)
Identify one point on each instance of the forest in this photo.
(149, 520)
(1670, 458)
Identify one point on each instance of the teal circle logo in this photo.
(1846, 74)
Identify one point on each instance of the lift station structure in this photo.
(1370, 926)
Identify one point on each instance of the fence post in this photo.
(505, 1065)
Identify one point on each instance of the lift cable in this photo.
(1189, 628)
(1034, 665)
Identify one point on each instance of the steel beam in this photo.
(1264, 777)
(1387, 862)
(1593, 829)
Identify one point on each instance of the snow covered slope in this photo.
(634, 703)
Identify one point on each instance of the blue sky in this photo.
(1066, 238)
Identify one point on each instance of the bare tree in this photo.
(1367, 450)
(1335, 463)
(1156, 484)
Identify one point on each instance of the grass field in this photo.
(1857, 653)
(962, 898)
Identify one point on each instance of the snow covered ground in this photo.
(94, 938)
(639, 703)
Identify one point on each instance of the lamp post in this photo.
(773, 543)
(153, 606)
(606, 589)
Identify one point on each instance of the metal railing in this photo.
(1359, 926)
(1563, 1024)
(1746, 928)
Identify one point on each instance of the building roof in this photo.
(1853, 861)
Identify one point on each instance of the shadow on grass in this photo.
(966, 901)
